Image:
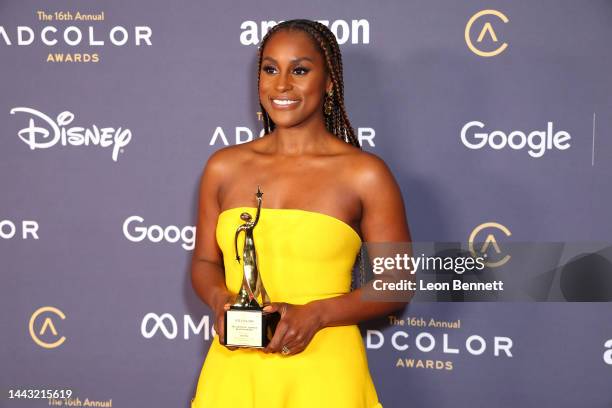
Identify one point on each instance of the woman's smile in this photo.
(284, 103)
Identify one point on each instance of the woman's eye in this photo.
(301, 70)
(268, 69)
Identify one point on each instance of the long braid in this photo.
(349, 134)
(337, 122)
(264, 113)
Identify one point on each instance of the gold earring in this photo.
(328, 106)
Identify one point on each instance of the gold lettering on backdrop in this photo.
(89, 17)
(426, 364)
(77, 57)
(441, 324)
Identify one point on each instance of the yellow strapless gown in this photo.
(302, 256)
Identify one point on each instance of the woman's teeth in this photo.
(283, 101)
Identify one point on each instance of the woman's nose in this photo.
(283, 82)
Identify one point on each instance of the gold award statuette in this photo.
(246, 325)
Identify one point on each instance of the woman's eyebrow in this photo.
(293, 61)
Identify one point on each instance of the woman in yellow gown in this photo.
(323, 196)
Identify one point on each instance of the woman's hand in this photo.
(297, 325)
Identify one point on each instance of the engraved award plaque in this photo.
(246, 325)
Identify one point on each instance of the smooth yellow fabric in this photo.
(302, 256)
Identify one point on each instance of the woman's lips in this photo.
(284, 104)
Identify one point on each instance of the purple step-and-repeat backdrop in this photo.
(494, 116)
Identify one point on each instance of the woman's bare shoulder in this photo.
(222, 166)
(229, 158)
(367, 167)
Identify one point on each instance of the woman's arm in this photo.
(207, 273)
(383, 219)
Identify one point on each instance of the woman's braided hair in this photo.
(337, 121)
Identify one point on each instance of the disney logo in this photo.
(47, 132)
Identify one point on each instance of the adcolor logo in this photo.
(486, 31)
(243, 134)
(47, 335)
(487, 231)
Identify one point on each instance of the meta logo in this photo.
(426, 342)
(607, 356)
(242, 134)
(488, 230)
(357, 31)
(44, 132)
(43, 327)
(537, 142)
(135, 231)
(166, 324)
(26, 229)
(486, 32)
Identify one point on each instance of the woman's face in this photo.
(293, 79)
